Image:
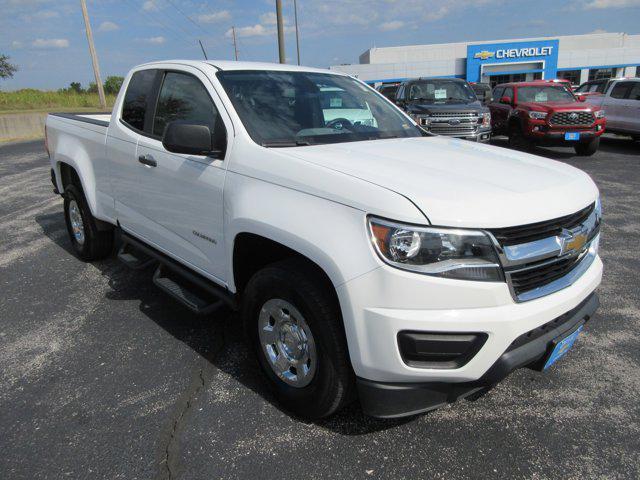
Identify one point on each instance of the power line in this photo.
(185, 15)
(156, 20)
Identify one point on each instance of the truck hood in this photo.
(460, 183)
(551, 107)
(459, 106)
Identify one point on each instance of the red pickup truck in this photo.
(545, 113)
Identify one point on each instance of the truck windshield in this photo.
(544, 94)
(282, 109)
(441, 91)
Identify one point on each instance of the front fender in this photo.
(330, 234)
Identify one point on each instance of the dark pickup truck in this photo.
(445, 106)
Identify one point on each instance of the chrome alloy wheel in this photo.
(287, 342)
(77, 225)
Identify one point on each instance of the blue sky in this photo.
(46, 37)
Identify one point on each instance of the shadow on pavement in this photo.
(218, 337)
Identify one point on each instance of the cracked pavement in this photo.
(102, 376)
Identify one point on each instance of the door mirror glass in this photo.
(189, 139)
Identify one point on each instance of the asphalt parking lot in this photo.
(102, 376)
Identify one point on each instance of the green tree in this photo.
(93, 88)
(6, 69)
(112, 85)
(75, 87)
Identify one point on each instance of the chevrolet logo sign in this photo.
(483, 55)
(573, 240)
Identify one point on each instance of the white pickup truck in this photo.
(367, 259)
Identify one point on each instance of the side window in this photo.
(134, 107)
(599, 87)
(508, 92)
(497, 93)
(620, 89)
(184, 98)
(634, 94)
(583, 88)
(400, 93)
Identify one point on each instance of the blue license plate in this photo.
(562, 347)
(572, 136)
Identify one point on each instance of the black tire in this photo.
(586, 149)
(517, 139)
(333, 383)
(96, 243)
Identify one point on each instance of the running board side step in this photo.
(133, 258)
(197, 293)
(192, 297)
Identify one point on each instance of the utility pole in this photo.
(280, 32)
(94, 55)
(235, 42)
(202, 47)
(295, 14)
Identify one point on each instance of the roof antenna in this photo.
(203, 52)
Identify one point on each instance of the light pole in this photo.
(94, 55)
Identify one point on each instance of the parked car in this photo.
(371, 261)
(593, 87)
(445, 106)
(482, 91)
(542, 113)
(621, 102)
(389, 90)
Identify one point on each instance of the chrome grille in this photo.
(572, 118)
(451, 123)
(538, 259)
(535, 231)
(454, 114)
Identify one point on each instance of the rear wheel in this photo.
(89, 242)
(517, 139)
(587, 149)
(295, 326)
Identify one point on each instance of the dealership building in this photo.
(578, 58)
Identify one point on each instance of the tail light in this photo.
(46, 141)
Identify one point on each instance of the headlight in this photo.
(599, 113)
(486, 119)
(538, 115)
(449, 253)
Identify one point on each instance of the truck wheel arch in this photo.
(252, 252)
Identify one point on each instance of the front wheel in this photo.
(517, 139)
(295, 326)
(89, 242)
(587, 149)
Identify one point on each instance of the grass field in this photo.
(38, 100)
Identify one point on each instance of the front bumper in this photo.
(386, 301)
(481, 135)
(389, 400)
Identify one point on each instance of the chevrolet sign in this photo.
(483, 55)
(515, 53)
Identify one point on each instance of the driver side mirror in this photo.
(581, 98)
(505, 100)
(190, 139)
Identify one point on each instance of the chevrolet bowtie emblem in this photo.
(483, 55)
(573, 240)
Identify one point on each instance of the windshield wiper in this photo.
(286, 143)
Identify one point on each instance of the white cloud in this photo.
(392, 25)
(50, 43)
(108, 27)
(16, 44)
(602, 4)
(268, 18)
(155, 40)
(46, 14)
(438, 13)
(256, 30)
(149, 6)
(598, 30)
(214, 17)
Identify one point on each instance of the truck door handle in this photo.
(147, 160)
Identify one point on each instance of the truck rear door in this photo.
(178, 198)
(614, 104)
